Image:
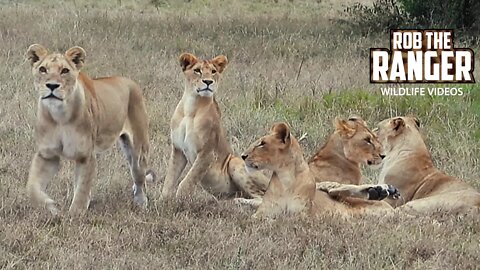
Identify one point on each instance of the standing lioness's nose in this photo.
(207, 82)
(52, 86)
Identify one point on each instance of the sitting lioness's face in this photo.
(55, 74)
(202, 76)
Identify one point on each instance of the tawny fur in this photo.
(351, 145)
(78, 116)
(408, 166)
(198, 138)
(292, 188)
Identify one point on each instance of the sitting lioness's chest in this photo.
(185, 138)
(66, 142)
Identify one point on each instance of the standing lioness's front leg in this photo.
(41, 172)
(84, 173)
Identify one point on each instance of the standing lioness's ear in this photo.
(187, 60)
(35, 53)
(76, 55)
(220, 62)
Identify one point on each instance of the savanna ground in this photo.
(290, 61)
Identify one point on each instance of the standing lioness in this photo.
(78, 116)
(198, 138)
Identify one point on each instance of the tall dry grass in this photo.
(266, 43)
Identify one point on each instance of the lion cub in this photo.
(78, 116)
(292, 187)
(198, 138)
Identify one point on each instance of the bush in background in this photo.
(387, 14)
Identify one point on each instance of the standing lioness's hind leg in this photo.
(137, 165)
(136, 145)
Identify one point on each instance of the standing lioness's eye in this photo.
(64, 71)
(42, 69)
(197, 70)
(214, 71)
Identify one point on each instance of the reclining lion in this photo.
(292, 187)
(78, 116)
(409, 167)
(351, 145)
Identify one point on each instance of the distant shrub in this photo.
(382, 15)
(388, 14)
(463, 14)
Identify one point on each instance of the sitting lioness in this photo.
(292, 186)
(409, 167)
(350, 145)
(78, 116)
(198, 137)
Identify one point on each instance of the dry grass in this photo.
(265, 42)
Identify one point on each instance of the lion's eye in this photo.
(261, 144)
(65, 71)
(214, 71)
(197, 70)
(375, 129)
(42, 69)
(368, 140)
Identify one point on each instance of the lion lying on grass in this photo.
(408, 165)
(292, 187)
(340, 157)
(78, 116)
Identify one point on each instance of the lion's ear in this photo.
(187, 60)
(417, 121)
(282, 132)
(220, 62)
(76, 55)
(357, 119)
(35, 53)
(398, 124)
(343, 128)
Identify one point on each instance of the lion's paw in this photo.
(381, 192)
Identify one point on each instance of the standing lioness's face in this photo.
(55, 74)
(202, 75)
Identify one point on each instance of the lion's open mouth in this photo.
(52, 96)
